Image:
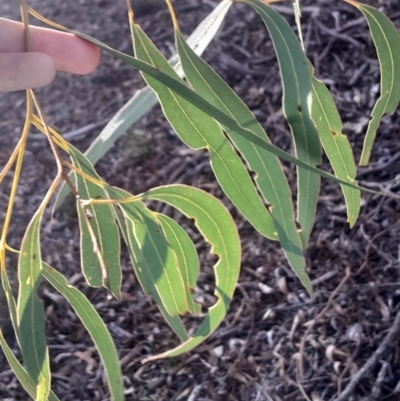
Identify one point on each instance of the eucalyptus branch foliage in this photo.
(206, 114)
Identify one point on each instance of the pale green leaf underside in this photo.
(159, 266)
(218, 229)
(188, 260)
(95, 327)
(141, 269)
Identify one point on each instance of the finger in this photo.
(25, 71)
(69, 52)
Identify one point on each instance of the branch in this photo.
(391, 339)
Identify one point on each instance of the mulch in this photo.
(275, 343)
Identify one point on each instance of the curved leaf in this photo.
(269, 177)
(297, 94)
(217, 227)
(141, 270)
(95, 327)
(100, 242)
(198, 130)
(160, 264)
(387, 43)
(21, 374)
(188, 94)
(12, 306)
(145, 99)
(336, 145)
(188, 260)
(30, 310)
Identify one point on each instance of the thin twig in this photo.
(25, 21)
(370, 245)
(348, 364)
(376, 391)
(85, 176)
(388, 342)
(380, 167)
(59, 160)
(300, 361)
(334, 33)
(10, 161)
(297, 17)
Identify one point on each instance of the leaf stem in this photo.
(17, 172)
(10, 162)
(61, 142)
(173, 15)
(25, 19)
(59, 160)
(110, 201)
(84, 175)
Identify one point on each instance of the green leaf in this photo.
(198, 130)
(100, 241)
(145, 99)
(141, 270)
(21, 374)
(95, 326)
(218, 228)
(336, 145)
(188, 94)
(297, 93)
(387, 43)
(159, 267)
(12, 306)
(297, 17)
(269, 177)
(30, 310)
(188, 260)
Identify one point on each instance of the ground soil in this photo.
(254, 354)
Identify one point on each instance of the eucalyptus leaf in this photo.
(219, 230)
(159, 266)
(269, 175)
(95, 327)
(100, 241)
(197, 100)
(188, 260)
(136, 256)
(387, 43)
(198, 130)
(30, 310)
(144, 99)
(336, 145)
(297, 99)
(21, 374)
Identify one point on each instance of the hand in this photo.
(50, 51)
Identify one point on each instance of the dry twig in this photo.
(300, 363)
(387, 343)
